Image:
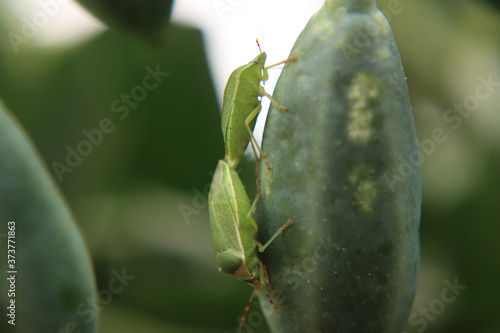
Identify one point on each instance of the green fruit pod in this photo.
(47, 279)
(342, 171)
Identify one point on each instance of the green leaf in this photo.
(178, 120)
(54, 287)
(145, 17)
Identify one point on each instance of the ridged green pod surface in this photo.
(344, 171)
(48, 284)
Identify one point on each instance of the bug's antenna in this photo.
(257, 41)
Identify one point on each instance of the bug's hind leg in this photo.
(271, 291)
(276, 234)
(245, 312)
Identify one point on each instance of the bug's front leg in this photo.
(292, 58)
(262, 248)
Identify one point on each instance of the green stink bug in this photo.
(241, 106)
(234, 232)
(233, 229)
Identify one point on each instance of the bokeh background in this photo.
(140, 192)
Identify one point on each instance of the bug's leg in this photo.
(278, 297)
(272, 303)
(273, 101)
(252, 207)
(254, 203)
(253, 140)
(264, 280)
(266, 276)
(279, 231)
(252, 222)
(255, 291)
(292, 58)
(272, 292)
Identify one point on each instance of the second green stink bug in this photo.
(234, 232)
(233, 229)
(241, 106)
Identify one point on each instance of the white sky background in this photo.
(229, 28)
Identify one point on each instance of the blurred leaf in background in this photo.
(450, 49)
(125, 126)
(145, 17)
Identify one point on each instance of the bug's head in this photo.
(230, 262)
(260, 60)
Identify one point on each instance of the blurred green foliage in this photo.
(47, 279)
(139, 196)
(144, 17)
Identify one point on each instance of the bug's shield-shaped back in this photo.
(241, 98)
(224, 222)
